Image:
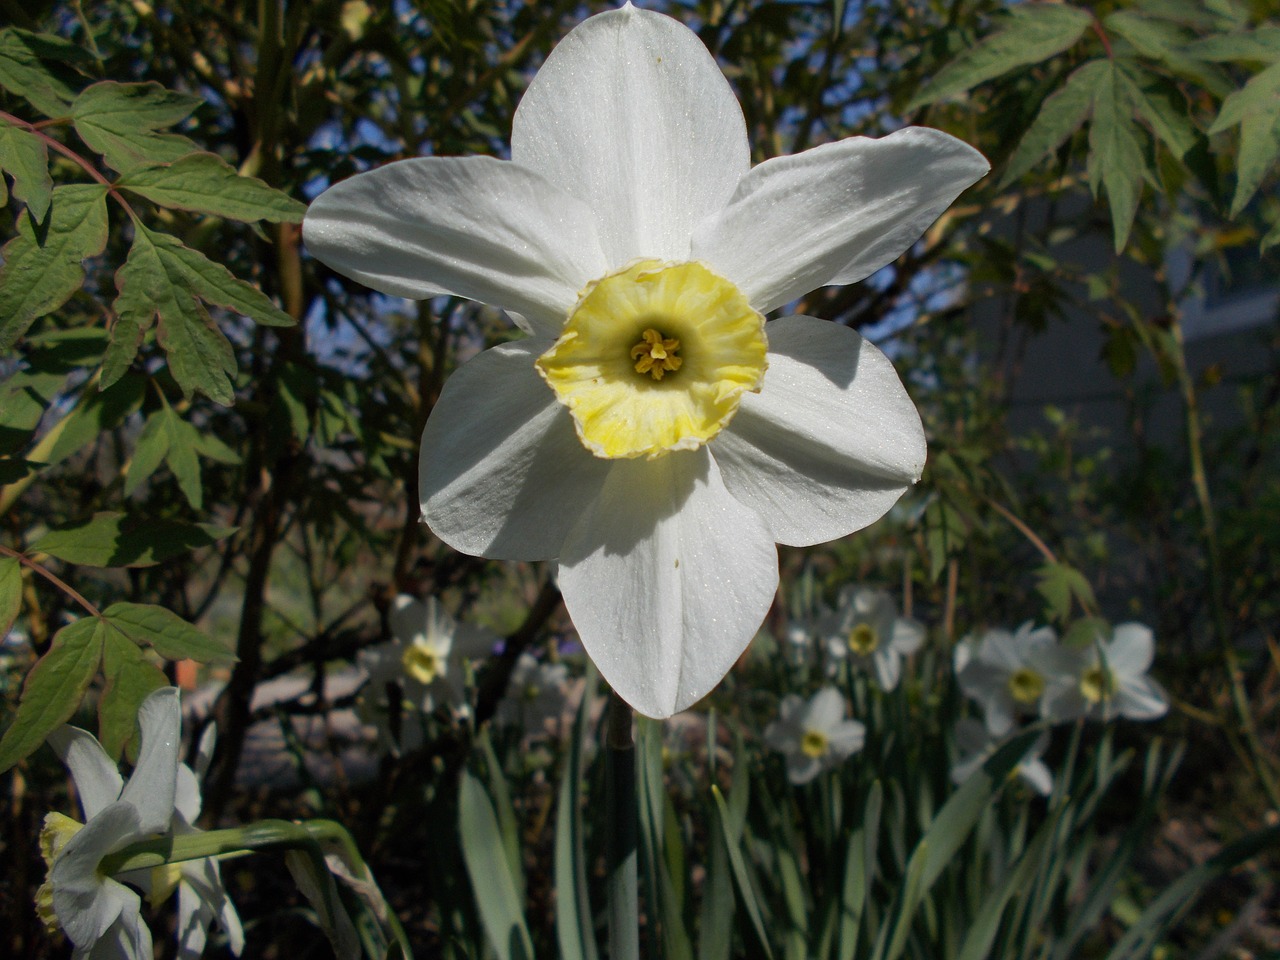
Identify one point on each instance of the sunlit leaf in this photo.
(53, 689)
(43, 264)
(1061, 115)
(1031, 33)
(205, 183)
(10, 592)
(171, 636)
(129, 678)
(35, 66)
(24, 157)
(122, 121)
(114, 540)
(1116, 160)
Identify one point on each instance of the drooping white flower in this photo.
(1107, 680)
(651, 434)
(975, 745)
(866, 631)
(813, 734)
(423, 666)
(1007, 673)
(535, 694)
(100, 915)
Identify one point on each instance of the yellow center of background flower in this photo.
(656, 358)
(813, 744)
(863, 639)
(1025, 685)
(1096, 684)
(422, 663)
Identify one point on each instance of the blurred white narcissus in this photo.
(1007, 673)
(866, 631)
(813, 734)
(1107, 680)
(652, 433)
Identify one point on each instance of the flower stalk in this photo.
(622, 815)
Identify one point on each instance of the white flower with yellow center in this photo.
(1007, 673)
(99, 914)
(1107, 680)
(653, 434)
(813, 734)
(423, 666)
(535, 695)
(866, 631)
(975, 745)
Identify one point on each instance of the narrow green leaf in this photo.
(1259, 151)
(985, 925)
(33, 66)
(1262, 45)
(53, 689)
(43, 265)
(575, 931)
(1116, 160)
(122, 122)
(24, 157)
(1271, 238)
(205, 183)
(1031, 33)
(715, 926)
(215, 284)
(743, 881)
(171, 636)
(491, 881)
(130, 677)
(1260, 95)
(10, 592)
(1160, 39)
(149, 451)
(181, 456)
(1161, 104)
(114, 540)
(1060, 116)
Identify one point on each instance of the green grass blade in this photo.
(490, 873)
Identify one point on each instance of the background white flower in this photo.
(866, 631)
(975, 745)
(1007, 673)
(813, 735)
(1108, 679)
(101, 916)
(661, 499)
(423, 666)
(535, 695)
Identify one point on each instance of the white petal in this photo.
(998, 649)
(1037, 774)
(194, 917)
(802, 768)
(407, 617)
(826, 710)
(475, 227)
(631, 115)
(1141, 698)
(908, 636)
(888, 667)
(87, 903)
(834, 214)
(831, 441)
(847, 738)
(1131, 650)
(152, 787)
(186, 794)
(502, 472)
(98, 782)
(667, 578)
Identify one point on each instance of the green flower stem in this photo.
(309, 835)
(622, 815)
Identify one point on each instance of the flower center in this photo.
(656, 355)
(863, 639)
(422, 663)
(1096, 684)
(814, 744)
(616, 361)
(1026, 685)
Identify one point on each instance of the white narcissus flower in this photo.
(865, 630)
(975, 745)
(99, 914)
(652, 434)
(535, 694)
(813, 734)
(423, 665)
(1107, 680)
(1007, 673)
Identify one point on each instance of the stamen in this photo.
(813, 744)
(1025, 685)
(863, 639)
(655, 354)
